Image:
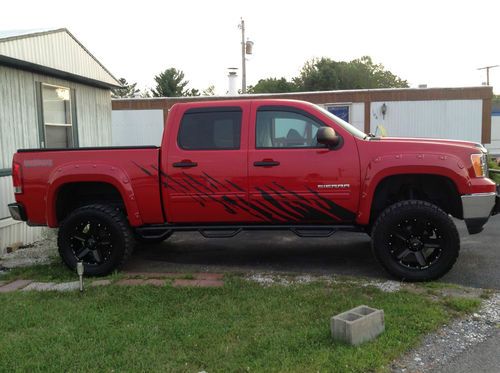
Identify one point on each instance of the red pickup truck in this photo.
(229, 166)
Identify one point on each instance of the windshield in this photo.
(348, 127)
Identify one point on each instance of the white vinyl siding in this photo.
(19, 117)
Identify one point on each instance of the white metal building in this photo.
(494, 147)
(453, 113)
(53, 93)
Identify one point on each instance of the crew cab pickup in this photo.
(228, 166)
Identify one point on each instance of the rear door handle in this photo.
(266, 164)
(185, 164)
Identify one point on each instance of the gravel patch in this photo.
(444, 346)
(388, 286)
(39, 286)
(266, 279)
(281, 280)
(41, 252)
(52, 286)
(67, 286)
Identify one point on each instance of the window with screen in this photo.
(284, 129)
(57, 117)
(210, 130)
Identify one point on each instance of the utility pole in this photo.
(243, 58)
(487, 68)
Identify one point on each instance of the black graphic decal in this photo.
(145, 170)
(211, 183)
(236, 204)
(197, 182)
(216, 181)
(227, 207)
(277, 215)
(234, 185)
(274, 207)
(341, 212)
(264, 213)
(297, 195)
(276, 204)
(158, 170)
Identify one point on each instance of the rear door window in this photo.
(218, 129)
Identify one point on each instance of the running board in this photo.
(228, 231)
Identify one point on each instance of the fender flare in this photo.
(380, 168)
(91, 172)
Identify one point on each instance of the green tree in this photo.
(192, 92)
(209, 91)
(145, 93)
(362, 73)
(126, 91)
(273, 85)
(170, 83)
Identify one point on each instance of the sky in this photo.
(439, 43)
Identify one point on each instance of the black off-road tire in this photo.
(385, 238)
(117, 230)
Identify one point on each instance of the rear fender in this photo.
(91, 172)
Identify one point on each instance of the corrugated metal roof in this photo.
(7, 34)
(54, 51)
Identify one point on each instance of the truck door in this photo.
(292, 178)
(205, 177)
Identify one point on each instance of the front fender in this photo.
(381, 167)
(91, 172)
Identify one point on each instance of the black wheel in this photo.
(415, 241)
(97, 235)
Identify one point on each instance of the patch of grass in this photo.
(439, 285)
(240, 327)
(53, 272)
(462, 305)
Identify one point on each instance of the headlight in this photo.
(479, 164)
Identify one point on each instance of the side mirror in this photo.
(327, 136)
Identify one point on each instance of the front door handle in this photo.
(266, 163)
(185, 164)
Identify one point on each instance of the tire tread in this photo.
(410, 205)
(121, 222)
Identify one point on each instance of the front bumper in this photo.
(477, 209)
(17, 211)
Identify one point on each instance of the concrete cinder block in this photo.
(358, 325)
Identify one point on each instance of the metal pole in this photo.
(243, 59)
(487, 68)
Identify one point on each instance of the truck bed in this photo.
(132, 171)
